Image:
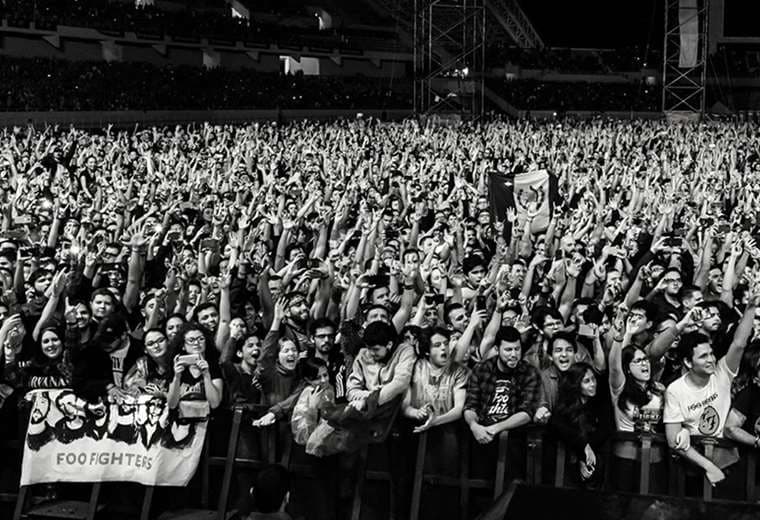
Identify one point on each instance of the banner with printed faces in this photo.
(139, 440)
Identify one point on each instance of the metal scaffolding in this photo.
(683, 88)
(510, 15)
(449, 57)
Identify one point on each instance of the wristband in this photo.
(757, 441)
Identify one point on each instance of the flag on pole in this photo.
(537, 188)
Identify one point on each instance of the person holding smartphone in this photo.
(196, 372)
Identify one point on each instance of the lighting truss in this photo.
(449, 56)
(683, 88)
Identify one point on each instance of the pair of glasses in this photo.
(197, 340)
(640, 361)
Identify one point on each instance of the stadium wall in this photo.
(80, 44)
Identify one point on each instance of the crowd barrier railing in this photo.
(538, 442)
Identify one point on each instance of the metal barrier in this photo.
(538, 440)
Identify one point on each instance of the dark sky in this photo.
(597, 23)
(742, 18)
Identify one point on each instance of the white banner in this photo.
(71, 440)
(688, 21)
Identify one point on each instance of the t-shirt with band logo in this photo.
(703, 411)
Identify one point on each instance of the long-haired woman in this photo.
(582, 420)
(637, 400)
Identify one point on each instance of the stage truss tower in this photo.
(449, 56)
(683, 87)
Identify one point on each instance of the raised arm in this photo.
(138, 245)
(743, 330)
(465, 340)
(225, 312)
(48, 312)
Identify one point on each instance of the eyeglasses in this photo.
(640, 361)
(194, 340)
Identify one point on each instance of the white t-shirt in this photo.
(703, 411)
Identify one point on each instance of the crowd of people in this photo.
(575, 61)
(49, 84)
(346, 274)
(530, 94)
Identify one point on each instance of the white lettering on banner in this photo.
(71, 440)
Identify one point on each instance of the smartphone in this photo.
(673, 242)
(586, 330)
(433, 299)
(188, 359)
(379, 280)
(14, 234)
(481, 303)
(30, 250)
(210, 244)
(724, 228)
(313, 263)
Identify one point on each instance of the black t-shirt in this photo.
(191, 387)
(747, 402)
(240, 388)
(665, 309)
(502, 402)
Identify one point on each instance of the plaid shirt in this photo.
(526, 385)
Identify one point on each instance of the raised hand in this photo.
(279, 310)
(69, 311)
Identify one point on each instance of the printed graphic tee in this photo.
(502, 403)
(117, 363)
(703, 411)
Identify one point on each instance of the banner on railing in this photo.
(71, 440)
